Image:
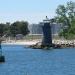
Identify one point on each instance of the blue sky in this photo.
(32, 11)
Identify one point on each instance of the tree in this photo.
(13, 29)
(7, 29)
(1, 29)
(24, 28)
(66, 16)
(19, 28)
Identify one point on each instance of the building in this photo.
(37, 28)
(56, 28)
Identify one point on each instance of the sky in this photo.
(33, 11)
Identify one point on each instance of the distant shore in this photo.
(20, 42)
(33, 42)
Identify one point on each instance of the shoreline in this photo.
(20, 42)
(33, 42)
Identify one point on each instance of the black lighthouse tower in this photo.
(47, 35)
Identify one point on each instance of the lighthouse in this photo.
(47, 34)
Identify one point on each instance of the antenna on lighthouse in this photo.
(47, 18)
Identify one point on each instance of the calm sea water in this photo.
(26, 61)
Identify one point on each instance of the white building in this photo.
(37, 28)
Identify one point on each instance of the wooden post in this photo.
(2, 58)
(0, 48)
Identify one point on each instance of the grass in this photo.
(31, 37)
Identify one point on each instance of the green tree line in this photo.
(66, 16)
(18, 27)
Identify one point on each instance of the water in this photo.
(26, 61)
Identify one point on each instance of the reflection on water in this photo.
(26, 61)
